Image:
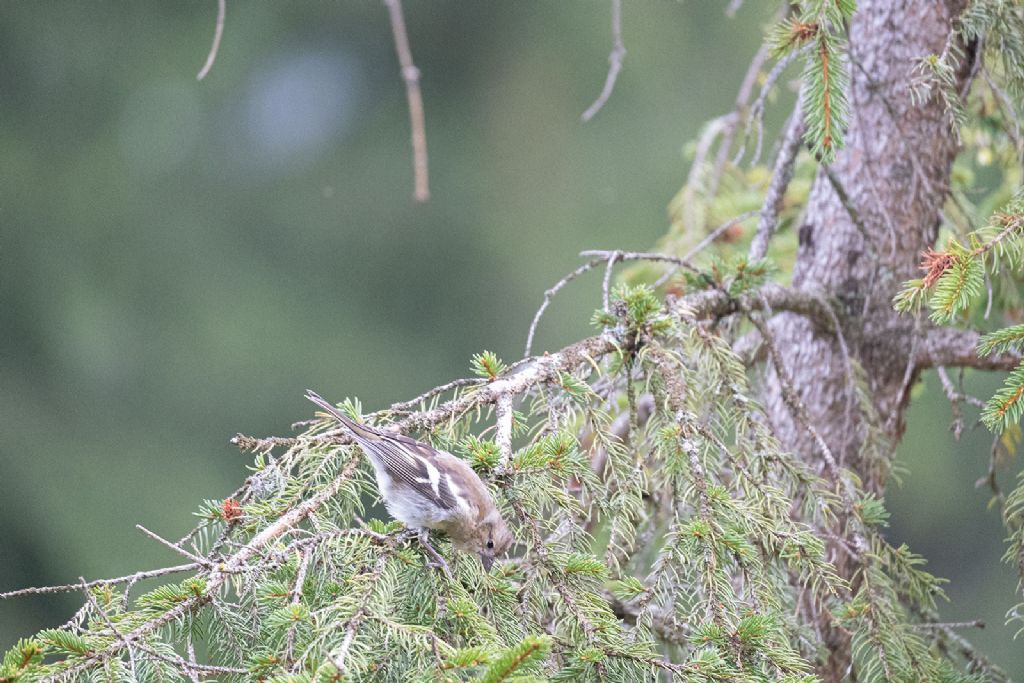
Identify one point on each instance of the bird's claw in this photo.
(439, 562)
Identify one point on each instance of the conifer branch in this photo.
(215, 578)
(716, 481)
(799, 412)
(130, 578)
(121, 640)
(782, 174)
(173, 546)
(539, 369)
(703, 244)
(675, 393)
(503, 430)
(352, 625)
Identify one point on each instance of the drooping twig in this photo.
(673, 384)
(798, 410)
(688, 195)
(739, 115)
(550, 294)
(953, 394)
(411, 76)
(908, 374)
(844, 350)
(555, 572)
(755, 120)
(193, 675)
(782, 174)
(218, 33)
(615, 59)
(990, 479)
(844, 198)
(1006, 107)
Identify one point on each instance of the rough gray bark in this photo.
(894, 173)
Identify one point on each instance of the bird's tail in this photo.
(360, 431)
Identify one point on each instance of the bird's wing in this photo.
(405, 460)
(411, 463)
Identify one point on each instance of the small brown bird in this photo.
(426, 488)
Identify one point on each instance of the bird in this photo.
(427, 488)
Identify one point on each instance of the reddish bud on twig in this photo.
(230, 510)
(935, 263)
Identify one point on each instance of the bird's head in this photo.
(490, 537)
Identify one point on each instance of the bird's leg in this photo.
(433, 553)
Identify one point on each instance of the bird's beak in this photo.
(487, 561)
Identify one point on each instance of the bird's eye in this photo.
(490, 544)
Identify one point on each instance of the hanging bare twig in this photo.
(738, 115)
(218, 33)
(756, 117)
(615, 59)
(411, 76)
(955, 399)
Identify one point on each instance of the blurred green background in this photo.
(180, 260)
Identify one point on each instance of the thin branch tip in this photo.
(615, 60)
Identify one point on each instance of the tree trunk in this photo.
(857, 250)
